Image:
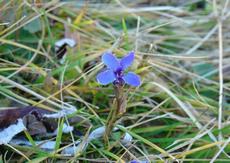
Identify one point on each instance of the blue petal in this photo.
(106, 77)
(132, 79)
(110, 61)
(127, 60)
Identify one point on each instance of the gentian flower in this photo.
(135, 161)
(115, 72)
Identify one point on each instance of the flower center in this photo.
(119, 73)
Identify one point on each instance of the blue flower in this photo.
(135, 161)
(115, 72)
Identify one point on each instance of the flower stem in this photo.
(117, 110)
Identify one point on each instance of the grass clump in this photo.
(181, 110)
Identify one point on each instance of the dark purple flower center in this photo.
(119, 73)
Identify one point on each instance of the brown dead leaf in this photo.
(10, 116)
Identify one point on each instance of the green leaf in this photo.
(59, 134)
(33, 26)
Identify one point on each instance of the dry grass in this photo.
(179, 112)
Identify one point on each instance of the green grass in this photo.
(173, 114)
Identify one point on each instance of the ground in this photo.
(179, 112)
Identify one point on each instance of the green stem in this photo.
(117, 110)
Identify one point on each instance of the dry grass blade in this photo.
(179, 112)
